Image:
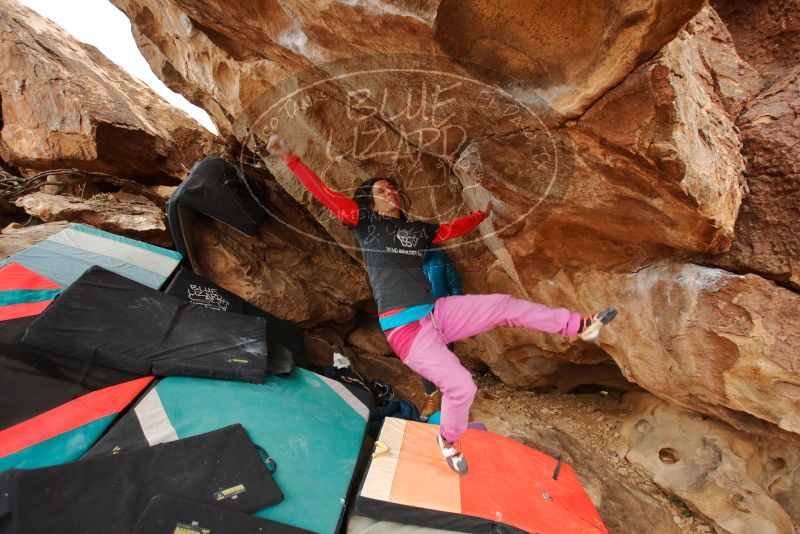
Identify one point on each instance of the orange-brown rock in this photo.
(743, 483)
(702, 338)
(535, 42)
(767, 240)
(601, 210)
(707, 340)
(291, 271)
(64, 104)
(530, 42)
(369, 338)
(129, 215)
(16, 237)
(654, 172)
(765, 32)
(731, 79)
(674, 117)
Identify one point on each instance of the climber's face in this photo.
(386, 198)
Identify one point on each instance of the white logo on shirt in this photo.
(407, 238)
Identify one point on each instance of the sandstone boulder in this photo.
(290, 269)
(676, 115)
(766, 33)
(739, 481)
(767, 240)
(531, 43)
(128, 215)
(16, 237)
(369, 338)
(64, 104)
(708, 340)
(597, 211)
(535, 42)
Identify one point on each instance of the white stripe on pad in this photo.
(155, 424)
(378, 484)
(140, 257)
(346, 396)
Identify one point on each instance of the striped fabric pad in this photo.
(507, 483)
(63, 257)
(66, 432)
(23, 292)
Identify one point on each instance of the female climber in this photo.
(417, 326)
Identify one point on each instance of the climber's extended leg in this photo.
(464, 316)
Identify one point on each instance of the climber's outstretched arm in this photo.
(345, 209)
(461, 225)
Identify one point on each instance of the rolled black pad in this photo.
(109, 493)
(108, 320)
(284, 338)
(167, 514)
(217, 189)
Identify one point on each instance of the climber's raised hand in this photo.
(278, 147)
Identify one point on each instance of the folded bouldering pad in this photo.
(106, 319)
(166, 514)
(66, 432)
(284, 338)
(217, 189)
(65, 256)
(313, 428)
(509, 487)
(109, 493)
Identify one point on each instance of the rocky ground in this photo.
(584, 429)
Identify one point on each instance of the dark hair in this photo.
(363, 195)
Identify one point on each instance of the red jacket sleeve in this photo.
(344, 208)
(459, 227)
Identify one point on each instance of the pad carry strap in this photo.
(272, 466)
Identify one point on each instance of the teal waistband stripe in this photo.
(409, 315)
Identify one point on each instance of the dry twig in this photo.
(12, 187)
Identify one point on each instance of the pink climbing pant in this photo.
(460, 317)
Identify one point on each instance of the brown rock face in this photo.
(64, 104)
(709, 340)
(767, 240)
(369, 339)
(290, 270)
(534, 42)
(739, 481)
(127, 215)
(600, 210)
(675, 115)
(15, 237)
(766, 33)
